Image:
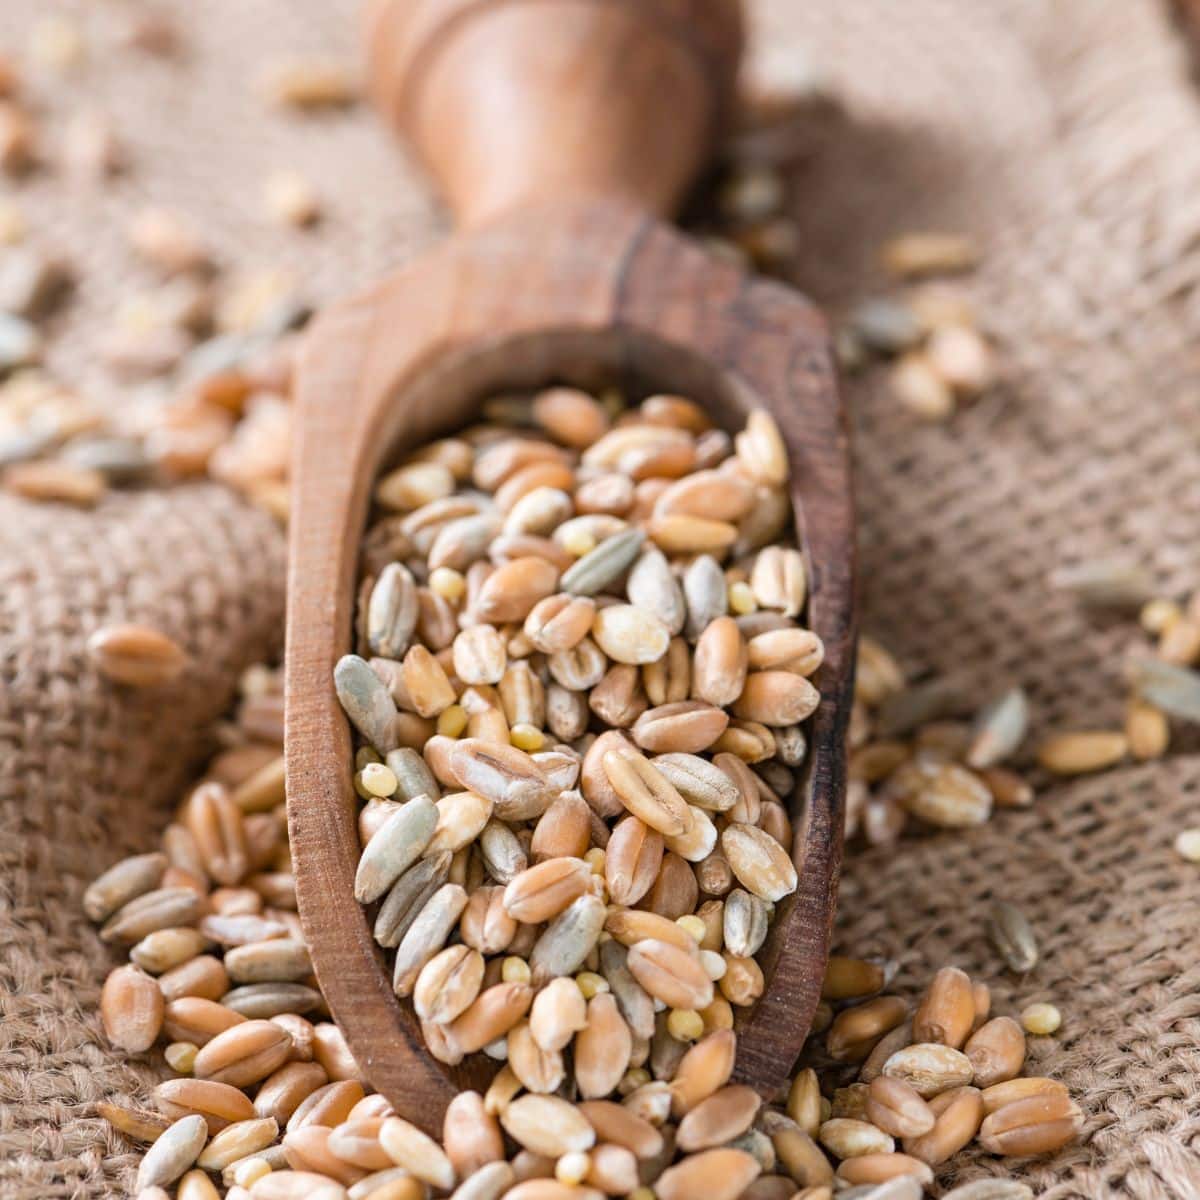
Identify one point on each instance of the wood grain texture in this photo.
(573, 292)
(507, 101)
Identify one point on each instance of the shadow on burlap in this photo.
(1065, 137)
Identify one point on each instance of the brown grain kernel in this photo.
(195, 1019)
(999, 1094)
(203, 976)
(356, 1142)
(959, 1112)
(887, 1045)
(721, 1174)
(897, 1108)
(131, 1007)
(543, 891)
(127, 880)
(220, 1104)
(947, 1009)
(849, 978)
(632, 860)
(719, 1119)
(1035, 1125)
(133, 1124)
(705, 1067)
(804, 1101)
(669, 680)
(282, 1092)
(879, 1168)
(614, 1123)
(1147, 730)
(720, 664)
(750, 741)
(215, 822)
(512, 590)
(547, 1125)
(687, 727)
(996, 1051)
(1079, 753)
(743, 982)
(329, 1105)
(244, 1054)
(136, 655)
(307, 1149)
(492, 1015)
(645, 792)
(602, 1048)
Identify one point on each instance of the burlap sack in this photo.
(1066, 136)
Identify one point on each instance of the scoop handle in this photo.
(515, 101)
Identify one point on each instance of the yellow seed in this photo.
(515, 969)
(633, 1079)
(591, 984)
(642, 1193)
(741, 598)
(527, 737)
(685, 1025)
(1041, 1018)
(447, 583)
(452, 721)
(578, 542)
(379, 780)
(694, 925)
(181, 1056)
(595, 858)
(572, 1168)
(1187, 844)
(251, 1171)
(1159, 615)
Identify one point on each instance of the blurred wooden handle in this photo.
(510, 101)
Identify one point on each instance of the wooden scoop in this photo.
(560, 131)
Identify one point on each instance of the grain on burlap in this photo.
(1067, 138)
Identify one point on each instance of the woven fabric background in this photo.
(1066, 137)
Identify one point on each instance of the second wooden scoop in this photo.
(559, 130)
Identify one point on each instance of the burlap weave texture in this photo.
(1066, 136)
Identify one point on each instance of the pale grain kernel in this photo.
(547, 1125)
(930, 1068)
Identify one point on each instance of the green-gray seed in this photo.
(413, 776)
(366, 701)
(999, 729)
(261, 1001)
(601, 566)
(397, 844)
(1174, 689)
(392, 612)
(1012, 936)
(568, 939)
(705, 593)
(409, 895)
